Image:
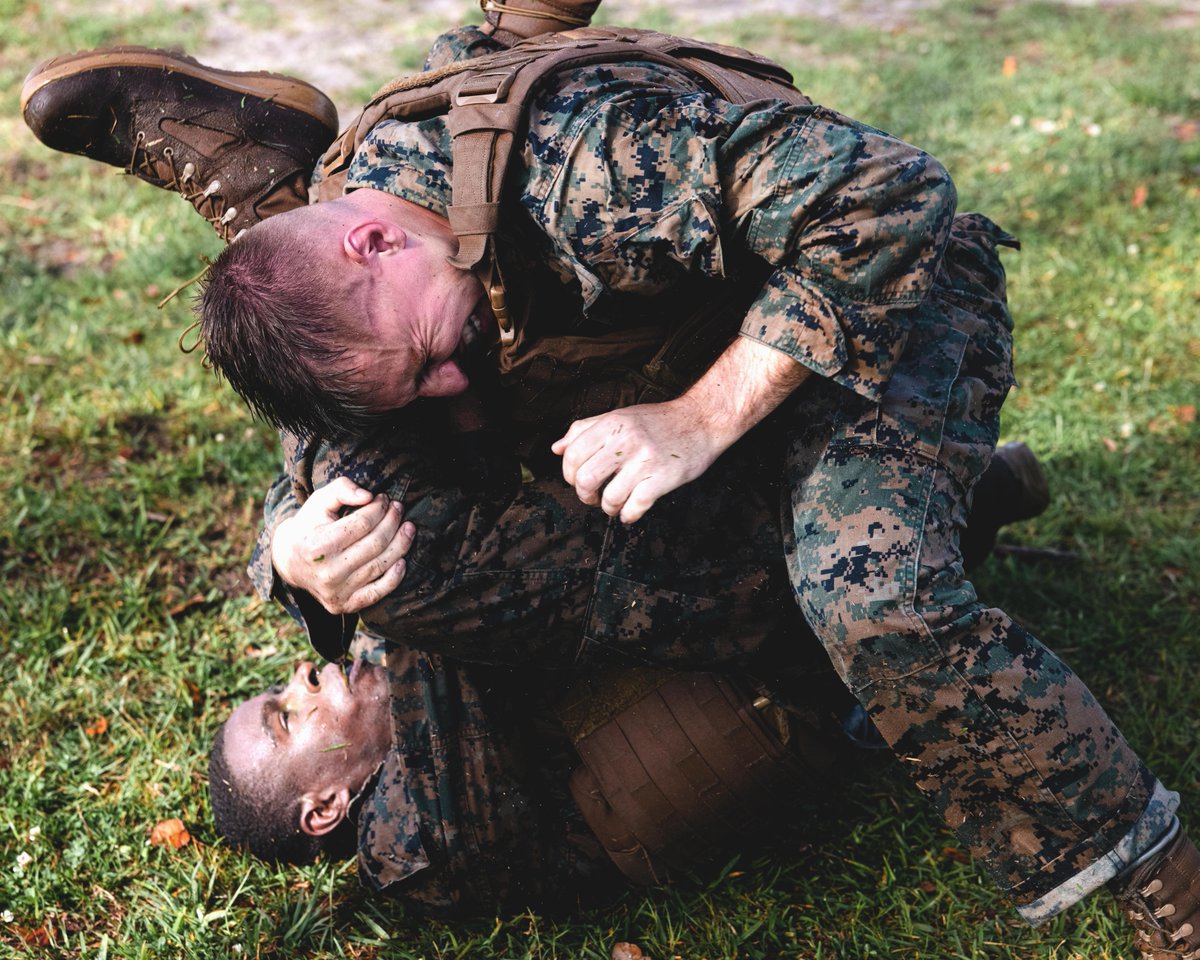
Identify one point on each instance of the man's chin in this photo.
(366, 679)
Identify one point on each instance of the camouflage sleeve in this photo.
(280, 504)
(638, 181)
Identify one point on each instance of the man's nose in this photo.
(306, 677)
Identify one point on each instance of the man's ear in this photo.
(367, 239)
(321, 811)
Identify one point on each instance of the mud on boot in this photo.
(238, 146)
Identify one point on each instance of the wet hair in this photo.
(264, 817)
(269, 317)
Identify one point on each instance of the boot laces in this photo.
(1149, 920)
(159, 167)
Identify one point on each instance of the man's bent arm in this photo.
(640, 453)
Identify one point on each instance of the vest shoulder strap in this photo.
(485, 101)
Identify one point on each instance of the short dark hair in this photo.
(270, 323)
(264, 817)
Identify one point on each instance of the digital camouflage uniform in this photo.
(637, 189)
(471, 808)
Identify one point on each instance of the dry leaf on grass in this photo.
(97, 728)
(169, 833)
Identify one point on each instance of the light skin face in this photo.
(321, 731)
(410, 313)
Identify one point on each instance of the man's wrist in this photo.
(745, 384)
(281, 553)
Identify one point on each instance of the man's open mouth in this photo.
(478, 330)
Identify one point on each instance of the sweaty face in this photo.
(322, 729)
(414, 326)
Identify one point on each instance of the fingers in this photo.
(620, 488)
(338, 493)
(376, 590)
(592, 454)
(643, 497)
(334, 535)
(375, 554)
(576, 428)
(371, 559)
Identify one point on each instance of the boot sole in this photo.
(285, 91)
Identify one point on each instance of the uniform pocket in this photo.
(632, 623)
(912, 413)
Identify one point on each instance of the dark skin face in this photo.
(323, 732)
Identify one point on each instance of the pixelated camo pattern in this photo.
(635, 178)
(1005, 740)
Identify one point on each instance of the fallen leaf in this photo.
(35, 936)
(1010, 66)
(1139, 197)
(627, 951)
(1184, 413)
(169, 833)
(134, 337)
(928, 886)
(194, 691)
(950, 853)
(1186, 132)
(97, 728)
(1110, 444)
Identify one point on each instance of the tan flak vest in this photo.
(678, 769)
(485, 101)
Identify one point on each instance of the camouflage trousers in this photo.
(1007, 742)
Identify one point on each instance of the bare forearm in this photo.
(625, 460)
(744, 385)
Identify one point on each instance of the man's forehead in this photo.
(247, 733)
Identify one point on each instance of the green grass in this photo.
(129, 486)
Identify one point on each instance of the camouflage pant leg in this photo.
(1007, 742)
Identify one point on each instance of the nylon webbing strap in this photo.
(485, 102)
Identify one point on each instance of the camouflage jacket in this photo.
(640, 194)
(636, 184)
(470, 807)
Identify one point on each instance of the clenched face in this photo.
(321, 731)
(410, 315)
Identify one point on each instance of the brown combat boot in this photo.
(238, 146)
(1162, 898)
(510, 22)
